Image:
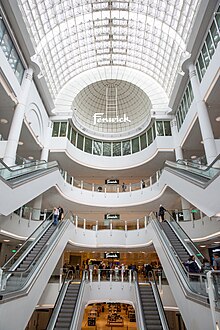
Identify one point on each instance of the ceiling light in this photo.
(6, 240)
(193, 157)
(217, 118)
(202, 246)
(3, 121)
(30, 157)
(217, 242)
(202, 142)
(20, 143)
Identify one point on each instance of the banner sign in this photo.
(112, 216)
(115, 255)
(112, 181)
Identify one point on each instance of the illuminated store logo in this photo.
(112, 216)
(111, 255)
(98, 119)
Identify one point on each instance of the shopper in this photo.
(216, 261)
(55, 215)
(61, 213)
(161, 212)
(191, 265)
(124, 187)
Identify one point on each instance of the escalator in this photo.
(149, 306)
(174, 247)
(27, 273)
(175, 242)
(26, 257)
(62, 315)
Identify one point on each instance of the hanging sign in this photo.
(115, 255)
(111, 181)
(112, 216)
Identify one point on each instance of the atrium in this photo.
(108, 111)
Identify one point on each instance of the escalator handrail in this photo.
(159, 303)
(207, 166)
(38, 267)
(139, 309)
(14, 256)
(188, 248)
(78, 304)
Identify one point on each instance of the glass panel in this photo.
(13, 59)
(73, 137)
(55, 129)
(63, 129)
(149, 136)
(2, 29)
(210, 45)
(167, 128)
(154, 131)
(97, 148)
(215, 34)
(205, 55)
(88, 145)
(80, 139)
(201, 65)
(69, 131)
(19, 71)
(6, 44)
(116, 148)
(126, 147)
(135, 145)
(159, 125)
(143, 140)
(107, 149)
(198, 71)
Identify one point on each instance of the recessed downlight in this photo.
(193, 157)
(217, 118)
(30, 157)
(6, 240)
(3, 121)
(20, 143)
(202, 246)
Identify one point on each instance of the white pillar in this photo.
(203, 116)
(17, 121)
(175, 135)
(37, 208)
(48, 135)
(186, 209)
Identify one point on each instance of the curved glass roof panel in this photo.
(72, 36)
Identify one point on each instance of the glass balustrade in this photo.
(9, 173)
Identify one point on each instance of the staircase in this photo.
(67, 308)
(149, 306)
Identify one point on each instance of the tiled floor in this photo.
(101, 321)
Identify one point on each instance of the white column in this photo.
(48, 135)
(17, 121)
(178, 149)
(186, 209)
(203, 116)
(37, 207)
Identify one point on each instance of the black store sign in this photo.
(112, 181)
(114, 255)
(112, 216)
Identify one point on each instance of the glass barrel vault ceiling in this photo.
(72, 36)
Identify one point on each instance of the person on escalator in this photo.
(191, 265)
(61, 213)
(161, 213)
(55, 215)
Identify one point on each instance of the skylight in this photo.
(72, 36)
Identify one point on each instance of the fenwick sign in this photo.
(98, 118)
(115, 255)
(112, 216)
